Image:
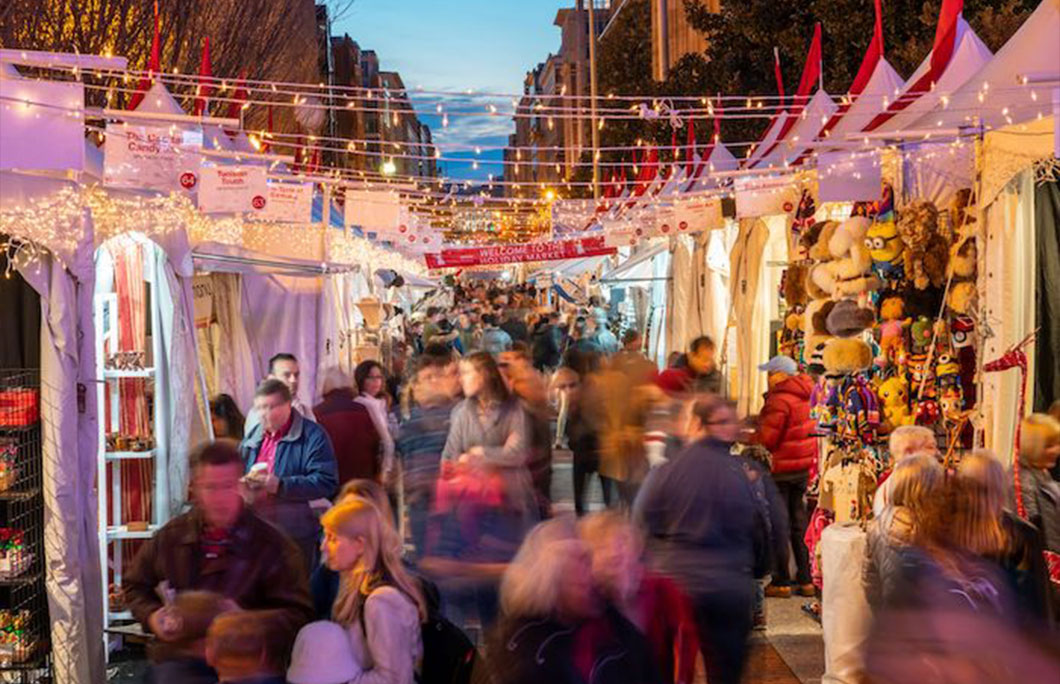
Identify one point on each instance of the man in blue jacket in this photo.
(289, 463)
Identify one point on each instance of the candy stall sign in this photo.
(232, 189)
(151, 157)
(510, 254)
(286, 203)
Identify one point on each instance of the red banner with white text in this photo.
(511, 254)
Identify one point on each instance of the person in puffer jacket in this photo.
(787, 430)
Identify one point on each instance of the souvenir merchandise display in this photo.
(15, 558)
(8, 463)
(881, 310)
(17, 639)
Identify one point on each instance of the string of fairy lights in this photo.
(447, 201)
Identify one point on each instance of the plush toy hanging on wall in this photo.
(926, 249)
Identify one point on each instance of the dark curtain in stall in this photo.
(1047, 295)
(19, 318)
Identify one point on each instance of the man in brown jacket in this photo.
(218, 546)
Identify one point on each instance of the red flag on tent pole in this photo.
(204, 89)
(941, 53)
(154, 65)
(811, 72)
(872, 57)
(239, 97)
(691, 147)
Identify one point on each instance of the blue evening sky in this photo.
(486, 45)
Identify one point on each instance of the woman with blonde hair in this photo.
(1037, 497)
(1000, 535)
(555, 627)
(379, 603)
(914, 481)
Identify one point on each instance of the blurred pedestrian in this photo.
(530, 387)
(494, 340)
(903, 442)
(289, 464)
(605, 339)
(371, 381)
(653, 603)
(221, 546)
(514, 324)
(285, 368)
(379, 603)
(786, 429)
(1038, 492)
(354, 437)
(556, 629)
(699, 515)
(248, 647)
(422, 437)
(226, 418)
(1020, 554)
(582, 438)
(547, 343)
(916, 480)
(696, 373)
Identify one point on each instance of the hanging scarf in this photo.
(377, 409)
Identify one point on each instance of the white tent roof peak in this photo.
(813, 117)
(770, 137)
(970, 54)
(1035, 47)
(882, 88)
(158, 100)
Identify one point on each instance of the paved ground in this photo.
(790, 651)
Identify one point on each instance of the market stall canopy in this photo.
(882, 88)
(970, 55)
(811, 120)
(719, 160)
(768, 140)
(638, 266)
(992, 97)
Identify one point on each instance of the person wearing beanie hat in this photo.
(786, 429)
(322, 655)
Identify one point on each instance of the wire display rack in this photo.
(25, 651)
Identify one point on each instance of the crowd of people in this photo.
(404, 530)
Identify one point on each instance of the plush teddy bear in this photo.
(962, 298)
(892, 327)
(819, 282)
(963, 258)
(792, 333)
(818, 250)
(851, 262)
(813, 353)
(846, 355)
(921, 331)
(926, 248)
(894, 400)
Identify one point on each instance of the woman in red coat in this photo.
(653, 603)
(786, 429)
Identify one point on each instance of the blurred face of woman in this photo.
(616, 564)
(341, 552)
(576, 597)
(471, 379)
(374, 382)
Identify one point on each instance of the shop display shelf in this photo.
(114, 373)
(6, 429)
(123, 532)
(21, 580)
(129, 455)
(19, 494)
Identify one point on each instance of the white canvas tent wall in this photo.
(63, 276)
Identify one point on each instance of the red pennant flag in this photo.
(204, 89)
(811, 72)
(154, 65)
(239, 97)
(872, 57)
(941, 53)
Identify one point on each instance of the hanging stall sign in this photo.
(575, 218)
(151, 157)
(233, 189)
(41, 125)
(373, 211)
(510, 254)
(286, 203)
(765, 197)
(849, 176)
(698, 215)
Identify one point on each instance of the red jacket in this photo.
(671, 629)
(785, 426)
(353, 436)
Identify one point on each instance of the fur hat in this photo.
(819, 250)
(795, 285)
(815, 319)
(848, 319)
(846, 355)
(848, 234)
(813, 353)
(820, 282)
